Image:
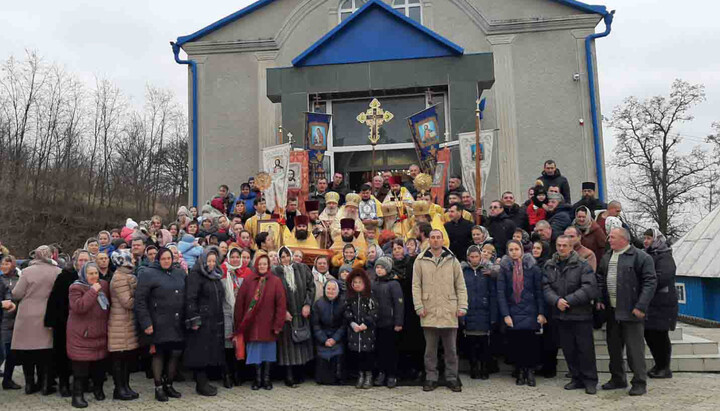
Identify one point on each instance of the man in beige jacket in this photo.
(440, 298)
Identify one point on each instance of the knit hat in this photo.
(344, 268)
(130, 223)
(385, 262)
(555, 196)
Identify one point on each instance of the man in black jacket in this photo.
(500, 226)
(516, 213)
(551, 177)
(459, 231)
(570, 286)
(339, 186)
(627, 281)
(559, 214)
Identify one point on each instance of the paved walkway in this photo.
(685, 391)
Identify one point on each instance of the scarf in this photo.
(659, 243)
(322, 277)
(518, 280)
(216, 273)
(588, 222)
(82, 280)
(257, 296)
(290, 277)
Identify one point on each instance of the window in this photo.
(680, 289)
(410, 8)
(348, 7)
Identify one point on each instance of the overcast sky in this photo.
(652, 43)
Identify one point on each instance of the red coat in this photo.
(535, 215)
(87, 326)
(269, 315)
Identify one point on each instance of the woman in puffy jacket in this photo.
(87, 332)
(522, 306)
(122, 334)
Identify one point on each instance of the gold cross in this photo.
(374, 118)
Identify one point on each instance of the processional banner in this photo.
(426, 136)
(317, 129)
(468, 153)
(440, 176)
(276, 162)
(298, 177)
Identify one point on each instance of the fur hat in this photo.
(385, 262)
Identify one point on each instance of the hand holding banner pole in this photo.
(479, 108)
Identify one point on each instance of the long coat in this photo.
(204, 299)
(87, 326)
(160, 302)
(573, 280)
(122, 332)
(58, 310)
(636, 283)
(663, 310)
(328, 321)
(595, 240)
(439, 289)
(532, 302)
(361, 310)
(482, 299)
(290, 352)
(501, 229)
(268, 313)
(32, 293)
(412, 339)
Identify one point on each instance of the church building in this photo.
(253, 74)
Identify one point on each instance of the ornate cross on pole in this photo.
(374, 118)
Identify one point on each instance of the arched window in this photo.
(348, 7)
(410, 8)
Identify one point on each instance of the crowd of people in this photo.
(383, 286)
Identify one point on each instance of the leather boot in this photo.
(521, 377)
(120, 392)
(64, 387)
(266, 381)
(380, 380)
(47, 380)
(98, 391)
(78, 398)
(339, 371)
(530, 377)
(160, 394)
(289, 380)
(227, 381)
(126, 376)
(484, 374)
(203, 386)
(170, 391)
(368, 380)
(474, 370)
(257, 382)
(31, 387)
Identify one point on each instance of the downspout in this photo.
(193, 70)
(608, 18)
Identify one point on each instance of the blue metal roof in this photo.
(376, 32)
(262, 3)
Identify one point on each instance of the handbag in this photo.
(300, 332)
(239, 342)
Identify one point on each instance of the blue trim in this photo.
(577, 5)
(453, 48)
(223, 22)
(193, 69)
(608, 17)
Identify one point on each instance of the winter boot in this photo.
(257, 382)
(368, 380)
(120, 392)
(78, 398)
(266, 381)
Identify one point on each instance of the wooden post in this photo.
(478, 172)
(373, 162)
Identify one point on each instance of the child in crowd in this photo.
(391, 311)
(361, 313)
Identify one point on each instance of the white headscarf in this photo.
(288, 269)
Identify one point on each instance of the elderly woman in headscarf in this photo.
(56, 317)
(328, 325)
(122, 334)
(321, 275)
(663, 310)
(32, 341)
(295, 347)
(87, 332)
(205, 339)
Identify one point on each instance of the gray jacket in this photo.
(636, 282)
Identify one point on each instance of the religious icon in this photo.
(277, 169)
(317, 133)
(439, 174)
(427, 130)
(271, 227)
(318, 136)
(294, 176)
(473, 150)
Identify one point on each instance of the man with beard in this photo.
(330, 214)
(398, 193)
(421, 214)
(300, 235)
(588, 199)
(349, 210)
(454, 186)
(370, 209)
(391, 220)
(291, 211)
(347, 236)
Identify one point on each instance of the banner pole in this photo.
(478, 173)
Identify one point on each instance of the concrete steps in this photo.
(689, 353)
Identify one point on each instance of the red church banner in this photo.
(299, 177)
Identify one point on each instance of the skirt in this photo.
(292, 353)
(257, 352)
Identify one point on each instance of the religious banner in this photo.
(317, 129)
(468, 151)
(276, 162)
(440, 176)
(426, 136)
(299, 177)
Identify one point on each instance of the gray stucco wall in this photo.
(535, 104)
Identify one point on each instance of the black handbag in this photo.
(300, 330)
(599, 317)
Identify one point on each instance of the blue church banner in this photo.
(317, 126)
(426, 136)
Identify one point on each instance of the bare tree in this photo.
(658, 175)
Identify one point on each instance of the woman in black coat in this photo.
(159, 309)
(663, 310)
(56, 317)
(522, 307)
(328, 326)
(204, 297)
